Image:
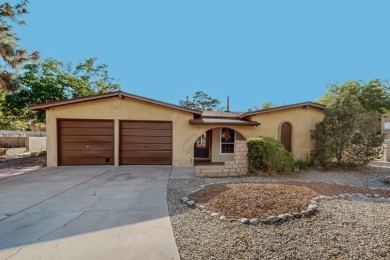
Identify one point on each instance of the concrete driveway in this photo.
(94, 212)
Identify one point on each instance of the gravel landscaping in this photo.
(342, 229)
(260, 200)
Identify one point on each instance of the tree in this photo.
(348, 133)
(12, 56)
(269, 105)
(52, 80)
(373, 96)
(201, 101)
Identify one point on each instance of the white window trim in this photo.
(386, 125)
(220, 143)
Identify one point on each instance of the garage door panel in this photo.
(86, 142)
(152, 154)
(87, 139)
(142, 125)
(85, 124)
(147, 132)
(146, 142)
(128, 140)
(86, 131)
(86, 161)
(84, 153)
(147, 147)
(144, 161)
(88, 146)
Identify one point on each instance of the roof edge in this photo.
(272, 109)
(243, 123)
(46, 106)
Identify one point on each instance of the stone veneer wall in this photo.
(238, 167)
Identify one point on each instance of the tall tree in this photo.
(202, 101)
(13, 57)
(52, 80)
(373, 96)
(348, 133)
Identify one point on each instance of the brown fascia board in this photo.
(303, 104)
(46, 106)
(243, 123)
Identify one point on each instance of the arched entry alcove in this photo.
(216, 146)
(286, 135)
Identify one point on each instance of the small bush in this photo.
(269, 155)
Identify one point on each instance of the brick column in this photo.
(237, 167)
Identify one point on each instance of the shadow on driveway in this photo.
(95, 212)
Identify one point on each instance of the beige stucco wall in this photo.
(302, 121)
(184, 134)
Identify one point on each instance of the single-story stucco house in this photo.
(119, 129)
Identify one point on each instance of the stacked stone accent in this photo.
(237, 167)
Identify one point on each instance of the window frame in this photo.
(220, 142)
(386, 125)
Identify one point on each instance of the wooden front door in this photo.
(285, 135)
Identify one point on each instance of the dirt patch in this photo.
(261, 200)
(16, 166)
(24, 162)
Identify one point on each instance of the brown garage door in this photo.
(85, 142)
(145, 142)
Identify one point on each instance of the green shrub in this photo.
(301, 164)
(269, 155)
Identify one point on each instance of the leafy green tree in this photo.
(12, 56)
(373, 96)
(348, 133)
(52, 80)
(270, 105)
(201, 101)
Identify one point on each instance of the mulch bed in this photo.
(260, 200)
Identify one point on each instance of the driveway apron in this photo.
(87, 212)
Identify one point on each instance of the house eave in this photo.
(120, 94)
(243, 123)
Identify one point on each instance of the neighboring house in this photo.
(385, 131)
(120, 128)
(385, 127)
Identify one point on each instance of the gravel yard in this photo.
(260, 200)
(341, 230)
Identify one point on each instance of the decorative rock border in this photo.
(310, 210)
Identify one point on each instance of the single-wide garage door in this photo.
(85, 142)
(145, 142)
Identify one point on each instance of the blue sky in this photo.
(253, 51)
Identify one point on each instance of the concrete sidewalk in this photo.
(87, 213)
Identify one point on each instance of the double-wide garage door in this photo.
(91, 142)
